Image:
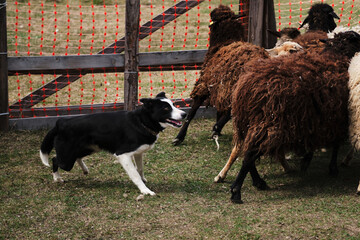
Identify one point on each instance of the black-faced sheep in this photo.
(321, 17)
(225, 29)
(292, 107)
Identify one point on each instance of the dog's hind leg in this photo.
(83, 166)
(126, 162)
(56, 175)
(140, 166)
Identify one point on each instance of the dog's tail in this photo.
(47, 145)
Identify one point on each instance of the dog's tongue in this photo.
(175, 122)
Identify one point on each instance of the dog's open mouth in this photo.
(174, 122)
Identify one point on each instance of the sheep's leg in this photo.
(221, 119)
(258, 182)
(195, 106)
(333, 168)
(348, 158)
(222, 174)
(248, 165)
(305, 161)
(284, 163)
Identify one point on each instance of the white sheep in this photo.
(354, 103)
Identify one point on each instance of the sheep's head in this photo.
(286, 34)
(225, 27)
(346, 43)
(221, 13)
(321, 17)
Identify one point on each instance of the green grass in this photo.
(188, 204)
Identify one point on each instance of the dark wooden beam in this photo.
(4, 96)
(261, 18)
(99, 63)
(62, 81)
(131, 72)
(77, 109)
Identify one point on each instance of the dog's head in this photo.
(163, 111)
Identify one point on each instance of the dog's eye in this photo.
(167, 109)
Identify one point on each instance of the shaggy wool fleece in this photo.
(354, 101)
(222, 71)
(311, 41)
(294, 103)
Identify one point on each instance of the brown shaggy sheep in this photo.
(296, 103)
(217, 76)
(225, 29)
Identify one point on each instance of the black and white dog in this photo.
(127, 135)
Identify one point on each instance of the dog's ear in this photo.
(147, 102)
(161, 95)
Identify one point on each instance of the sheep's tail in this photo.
(47, 145)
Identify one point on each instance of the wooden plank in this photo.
(4, 96)
(77, 109)
(49, 122)
(261, 18)
(54, 85)
(270, 23)
(99, 63)
(131, 71)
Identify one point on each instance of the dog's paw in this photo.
(57, 177)
(148, 192)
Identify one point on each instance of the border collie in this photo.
(127, 135)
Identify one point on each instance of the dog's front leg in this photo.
(126, 162)
(140, 166)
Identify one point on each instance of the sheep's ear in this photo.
(274, 32)
(239, 16)
(161, 95)
(305, 21)
(333, 14)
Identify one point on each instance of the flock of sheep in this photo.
(298, 97)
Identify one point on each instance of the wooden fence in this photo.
(261, 17)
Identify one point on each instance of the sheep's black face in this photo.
(321, 17)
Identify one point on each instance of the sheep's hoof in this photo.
(261, 185)
(236, 197)
(177, 141)
(219, 179)
(214, 134)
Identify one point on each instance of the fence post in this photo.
(131, 54)
(4, 95)
(262, 18)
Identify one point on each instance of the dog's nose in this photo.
(183, 115)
